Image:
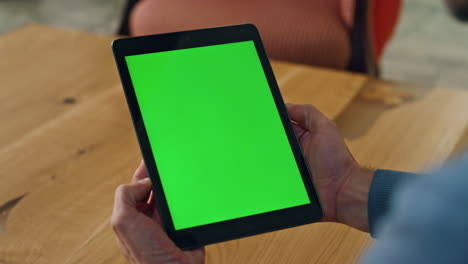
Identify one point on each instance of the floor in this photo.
(429, 46)
(91, 15)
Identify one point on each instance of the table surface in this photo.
(67, 142)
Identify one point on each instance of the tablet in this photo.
(215, 135)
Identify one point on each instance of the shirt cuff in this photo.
(383, 187)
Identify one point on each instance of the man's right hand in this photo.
(341, 183)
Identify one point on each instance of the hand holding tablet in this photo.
(217, 141)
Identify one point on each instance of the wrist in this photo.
(352, 200)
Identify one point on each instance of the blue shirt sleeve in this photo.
(383, 187)
(428, 220)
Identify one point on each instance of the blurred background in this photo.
(428, 47)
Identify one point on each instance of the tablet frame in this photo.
(231, 229)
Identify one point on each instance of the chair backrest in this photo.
(374, 24)
(124, 27)
(371, 23)
(385, 15)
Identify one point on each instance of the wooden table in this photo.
(66, 142)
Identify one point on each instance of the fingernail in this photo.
(144, 180)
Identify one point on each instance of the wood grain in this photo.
(68, 142)
(411, 137)
(328, 90)
(415, 136)
(69, 157)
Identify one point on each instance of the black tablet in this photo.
(215, 135)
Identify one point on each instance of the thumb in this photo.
(306, 116)
(140, 173)
(129, 195)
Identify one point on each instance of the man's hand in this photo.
(341, 183)
(342, 186)
(137, 226)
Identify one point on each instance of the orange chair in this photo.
(373, 25)
(340, 34)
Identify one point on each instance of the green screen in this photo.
(216, 135)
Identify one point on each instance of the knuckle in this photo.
(328, 125)
(311, 107)
(119, 214)
(332, 124)
(315, 112)
(121, 191)
(121, 220)
(117, 221)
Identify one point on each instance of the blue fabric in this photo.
(383, 187)
(428, 222)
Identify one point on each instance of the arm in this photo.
(428, 221)
(350, 194)
(341, 183)
(382, 190)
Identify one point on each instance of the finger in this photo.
(140, 173)
(136, 232)
(299, 131)
(125, 208)
(129, 195)
(148, 207)
(127, 198)
(306, 116)
(150, 198)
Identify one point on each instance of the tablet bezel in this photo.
(231, 229)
